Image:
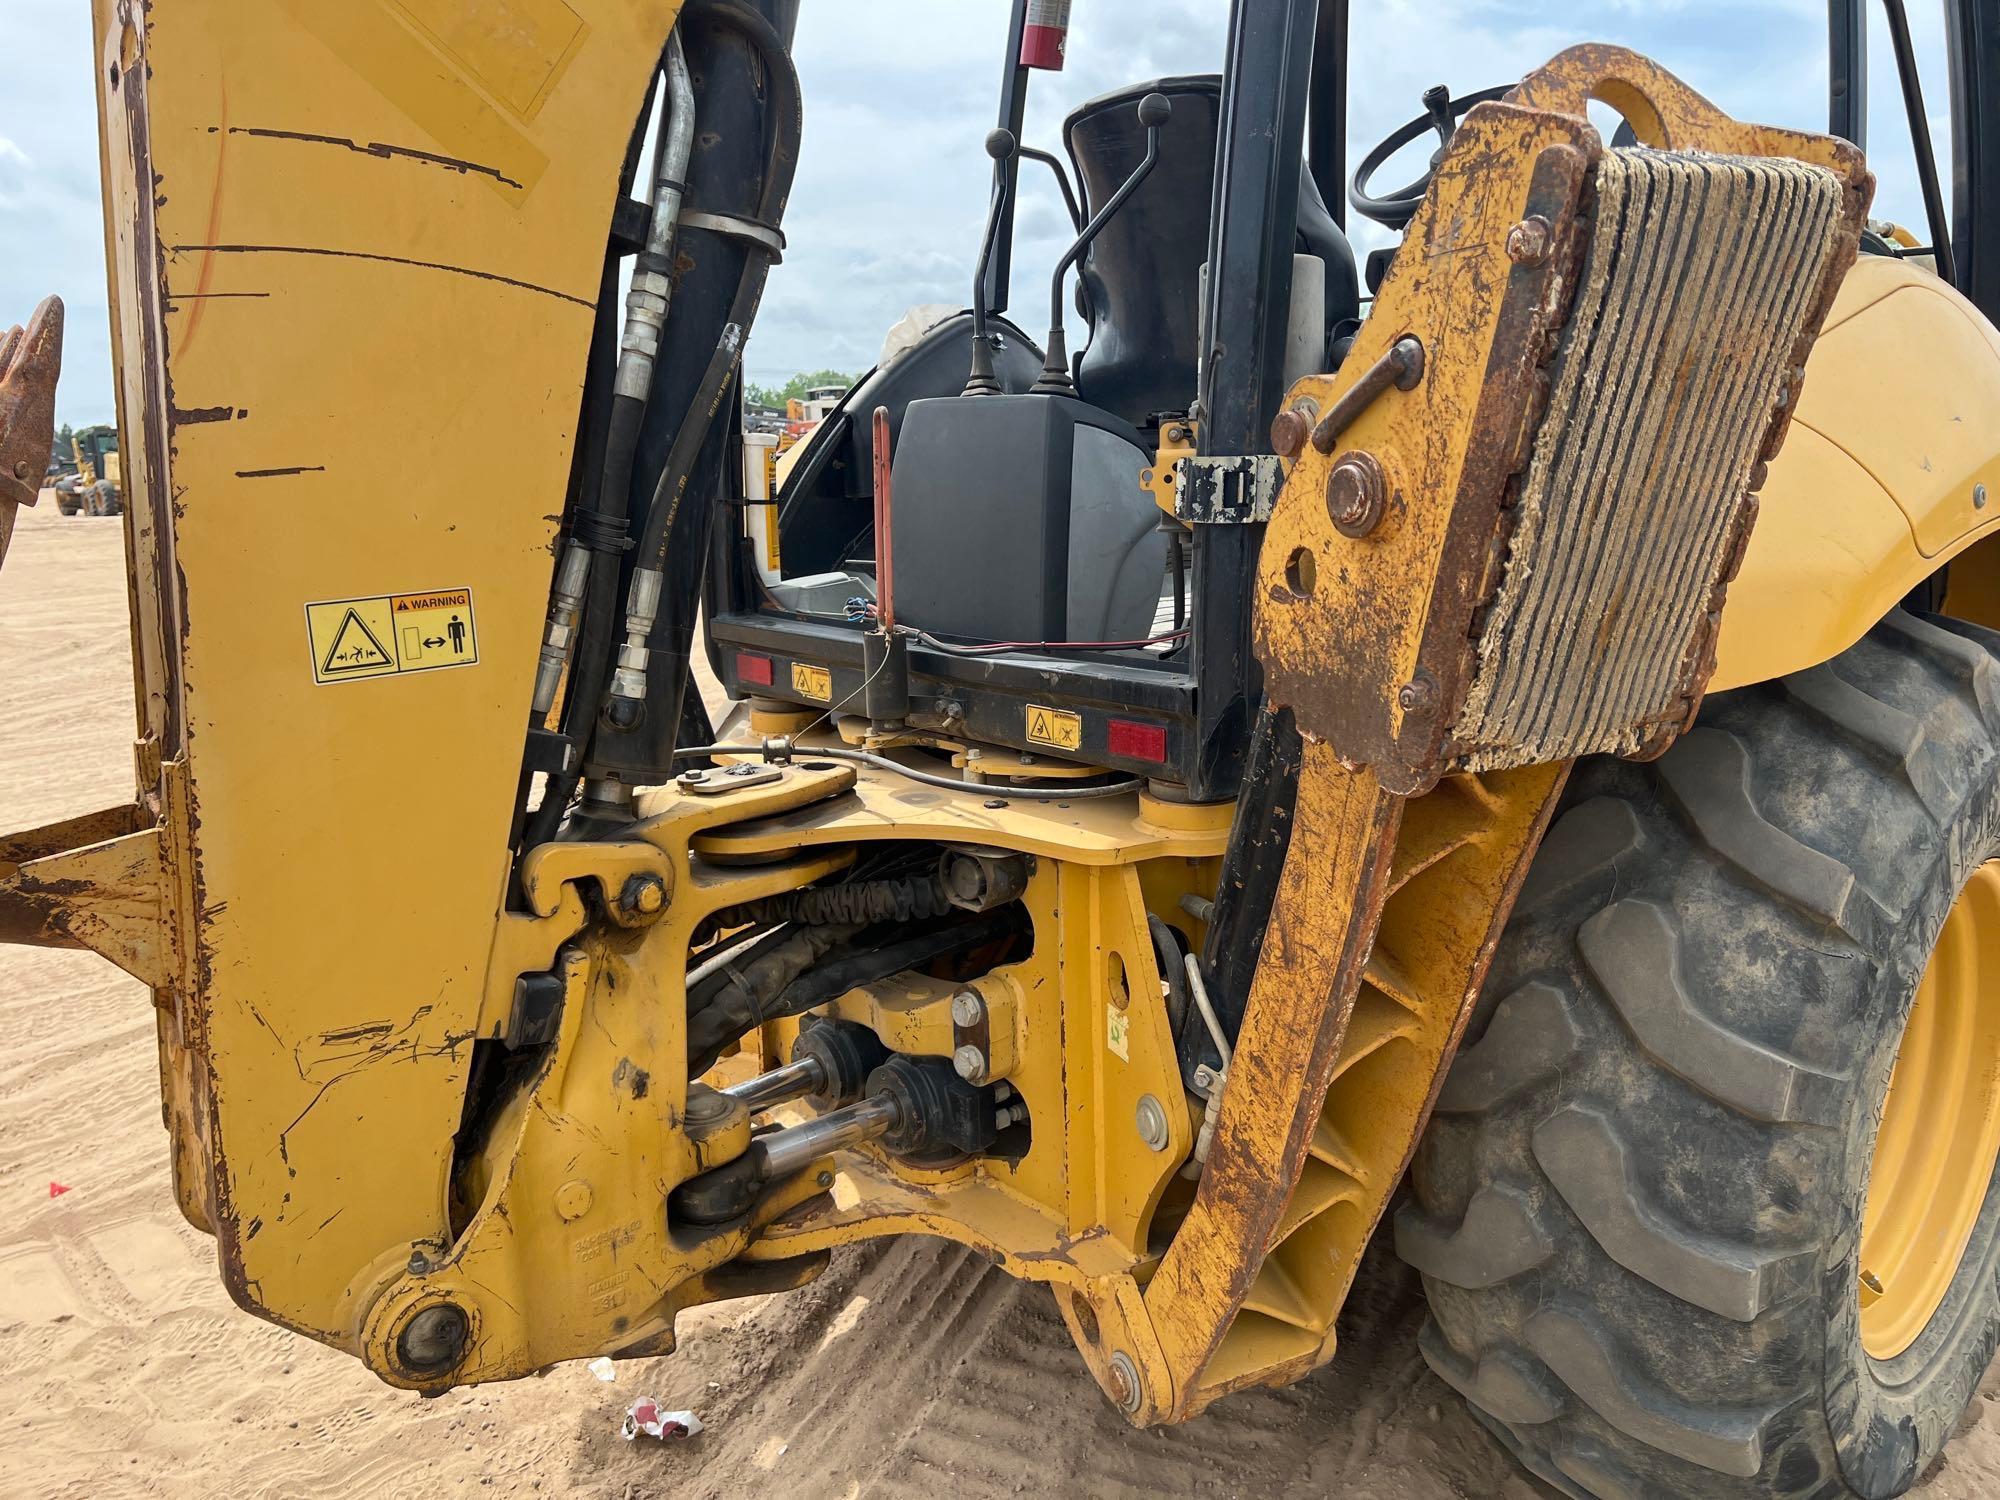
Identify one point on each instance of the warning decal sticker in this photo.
(1054, 726)
(391, 633)
(812, 682)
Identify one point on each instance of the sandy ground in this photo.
(909, 1369)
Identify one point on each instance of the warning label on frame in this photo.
(391, 633)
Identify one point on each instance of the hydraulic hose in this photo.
(625, 705)
(899, 898)
(737, 1007)
(587, 585)
(585, 494)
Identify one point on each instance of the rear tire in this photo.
(1637, 1209)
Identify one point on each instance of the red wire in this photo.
(1172, 635)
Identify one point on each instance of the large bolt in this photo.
(1126, 1387)
(434, 1338)
(969, 1063)
(1528, 241)
(1152, 1122)
(1289, 431)
(643, 896)
(1357, 492)
(967, 1008)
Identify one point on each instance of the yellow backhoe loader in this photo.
(1494, 742)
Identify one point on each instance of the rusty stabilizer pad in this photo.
(30, 362)
(1700, 278)
(1520, 555)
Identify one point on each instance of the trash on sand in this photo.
(646, 1416)
(602, 1368)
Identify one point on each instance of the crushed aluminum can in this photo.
(647, 1416)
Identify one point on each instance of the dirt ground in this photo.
(908, 1369)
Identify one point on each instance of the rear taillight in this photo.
(1137, 741)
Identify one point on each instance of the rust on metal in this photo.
(1401, 366)
(30, 363)
(1357, 492)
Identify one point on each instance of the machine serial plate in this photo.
(1054, 726)
(391, 633)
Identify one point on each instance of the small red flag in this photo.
(57, 1189)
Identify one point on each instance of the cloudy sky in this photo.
(899, 93)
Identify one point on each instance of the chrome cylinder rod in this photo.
(786, 1151)
(780, 1085)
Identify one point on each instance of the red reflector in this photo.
(1046, 35)
(753, 668)
(1137, 741)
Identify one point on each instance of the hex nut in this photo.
(643, 896)
(1528, 242)
(1418, 697)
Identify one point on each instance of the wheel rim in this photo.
(1940, 1130)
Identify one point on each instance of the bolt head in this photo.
(1979, 497)
(969, 1063)
(1204, 1078)
(1125, 1386)
(644, 895)
(1529, 241)
(1357, 494)
(21, 469)
(1151, 1118)
(967, 1008)
(1419, 695)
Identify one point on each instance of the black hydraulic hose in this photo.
(673, 545)
(786, 116)
(601, 598)
(900, 898)
(736, 1009)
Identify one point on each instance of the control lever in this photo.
(1000, 145)
(1154, 111)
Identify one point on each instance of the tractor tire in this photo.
(1638, 1208)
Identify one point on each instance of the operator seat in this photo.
(1140, 281)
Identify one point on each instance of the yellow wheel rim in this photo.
(1940, 1132)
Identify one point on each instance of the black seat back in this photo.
(1142, 276)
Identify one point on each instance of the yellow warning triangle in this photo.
(354, 648)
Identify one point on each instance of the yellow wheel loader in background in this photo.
(1516, 717)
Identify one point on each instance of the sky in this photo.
(892, 183)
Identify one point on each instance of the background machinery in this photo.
(96, 450)
(1510, 724)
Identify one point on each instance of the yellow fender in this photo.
(1885, 476)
